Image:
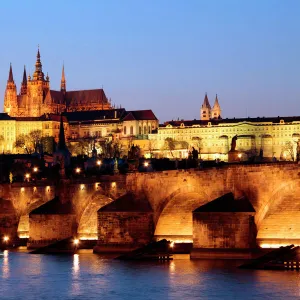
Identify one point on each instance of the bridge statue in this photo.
(233, 143)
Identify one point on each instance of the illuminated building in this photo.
(36, 98)
(273, 138)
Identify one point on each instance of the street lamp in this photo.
(35, 169)
(5, 239)
(77, 170)
(146, 164)
(27, 176)
(99, 162)
(240, 155)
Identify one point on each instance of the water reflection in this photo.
(5, 265)
(75, 275)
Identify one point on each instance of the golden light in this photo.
(27, 175)
(239, 155)
(22, 189)
(113, 184)
(6, 239)
(146, 164)
(172, 244)
(76, 242)
(35, 169)
(99, 162)
(82, 186)
(77, 170)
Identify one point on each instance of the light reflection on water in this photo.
(88, 276)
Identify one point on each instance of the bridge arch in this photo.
(278, 220)
(175, 213)
(87, 227)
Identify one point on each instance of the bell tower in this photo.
(37, 88)
(216, 110)
(10, 98)
(205, 109)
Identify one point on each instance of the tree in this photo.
(151, 147)
(20, 143)
(170, 145)
(197, 141)
(1, 141)
(289, 149)
(35, 138)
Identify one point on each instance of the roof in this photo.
(275, 120)
(206, 102)
(96, 96)
(94, 115)
(127, 203)
(57, 97)
(227, 203)
(54, 207)
(5, 117)
(140, 115)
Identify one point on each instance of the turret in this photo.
(23, 90)
(216, 110)
(205, 109)
(63, 80)
(10, 98)
(38, 74)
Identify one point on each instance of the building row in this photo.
(89, 115)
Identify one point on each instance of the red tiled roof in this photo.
(140, 115)
(83, 97)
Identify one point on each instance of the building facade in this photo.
(36, 98)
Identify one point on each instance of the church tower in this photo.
(37, 89)
(216, 110)
(10, 98)
(23, 90)
(205, 109)
(63, 80)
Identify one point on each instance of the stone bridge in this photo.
(273, 189)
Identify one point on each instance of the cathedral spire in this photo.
(10, 75)
(24, 83)
(63, 80)
(216, 110)
(205, 109)
(38, 74)
(61, 141)
(24, 77)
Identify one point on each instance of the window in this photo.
(140, 130)
(131, 130)
(124, 129)
(145, 129)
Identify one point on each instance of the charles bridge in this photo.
(272, 189)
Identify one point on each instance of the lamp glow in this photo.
(27, 175)
(35, 169)
(6, 239)
(99, 162)
(76, 242)
(146, 164)
(77, 170)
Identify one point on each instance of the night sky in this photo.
(162, 55)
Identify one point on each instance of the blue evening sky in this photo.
(162, 54)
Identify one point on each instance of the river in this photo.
(89, 276)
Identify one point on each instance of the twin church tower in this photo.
(36, 98)
(207, 113)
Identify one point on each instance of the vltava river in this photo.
(88, 276)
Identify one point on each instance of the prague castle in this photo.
(88, 114)
(36, 98)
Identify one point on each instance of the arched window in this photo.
(149, 129)
(124, 129)
(131, 130)
(145, 129)
(140, 130)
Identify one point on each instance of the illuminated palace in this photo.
(271, 138)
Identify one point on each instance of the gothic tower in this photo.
(216, 110)
(63, 80)
(37, 89)
(23, 90)
(205, 109)
(10, 98)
